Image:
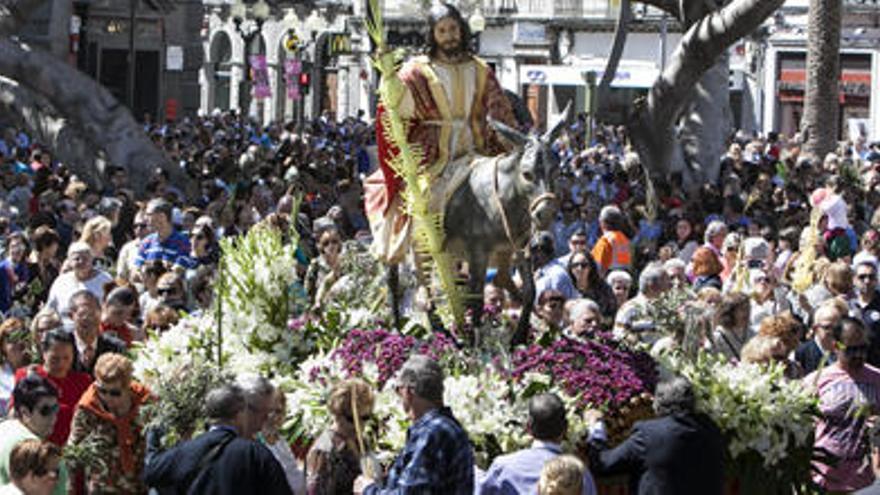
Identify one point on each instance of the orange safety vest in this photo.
(618, 256)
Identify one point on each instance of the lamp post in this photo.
(477, 24)
(257, 15)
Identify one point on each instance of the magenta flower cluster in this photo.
(599, 372)
(388, 350)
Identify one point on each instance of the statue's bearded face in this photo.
(447, 34)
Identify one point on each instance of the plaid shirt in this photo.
(437, 459)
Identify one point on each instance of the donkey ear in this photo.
(516, 138)
(558, 124)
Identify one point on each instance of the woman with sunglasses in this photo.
(58, 350)
(35, 413)
(325, 269)
(585, 274)
(15, 348)
(108, 418)
(204, 248)
(333, 462)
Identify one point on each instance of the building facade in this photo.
(96, 36)
(783, 70)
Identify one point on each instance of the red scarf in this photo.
(125, 431)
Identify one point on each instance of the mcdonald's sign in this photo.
(338, 44)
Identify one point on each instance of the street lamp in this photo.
(257, 13)
(477, 24)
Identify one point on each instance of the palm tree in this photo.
(821, 104)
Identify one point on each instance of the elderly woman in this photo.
(82, 275)
(333, 462)
(732, 330)
(97, 234)
(107, 417)
(620, 283)
(765, 301)
(584, 273)
(58, 350)
(14, 353)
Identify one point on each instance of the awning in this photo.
(629, 74)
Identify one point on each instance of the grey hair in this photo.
(425, 376)
(675, 395)
(612, 216)
(255, 386)
(225, 402)
(616, 275)
(651, 277)
(581, 306)
(715, 227)
(675, 263)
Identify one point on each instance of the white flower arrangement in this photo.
(755, 406)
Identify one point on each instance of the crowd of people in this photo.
(780, 254)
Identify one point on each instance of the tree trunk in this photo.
(706, 125)
(92, 109)
(33, 113)
(821, 103)
(652, 126)
(620, 32)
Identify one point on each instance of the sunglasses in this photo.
(110, 392)
(866, 276)
(166, 291)
(44, 472)
(330, 241)
(140, 225)
(47, 411)
(582, 264)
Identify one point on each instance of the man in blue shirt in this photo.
(165, 243)
(437, 458)
(520, 471)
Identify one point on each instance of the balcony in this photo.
(549, 9)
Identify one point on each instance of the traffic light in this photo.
(305, 80)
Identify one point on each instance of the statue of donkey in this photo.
(494, 212)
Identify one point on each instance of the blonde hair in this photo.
(112, 368)
(562, 475)
(759, 349)
(340, 400)
(93, 227)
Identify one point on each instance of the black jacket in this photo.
(680, 454)
(242, 466)
(106, 343)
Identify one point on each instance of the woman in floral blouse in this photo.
(107, 423)
(333, 462)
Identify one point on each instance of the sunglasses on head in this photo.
(47, 411)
